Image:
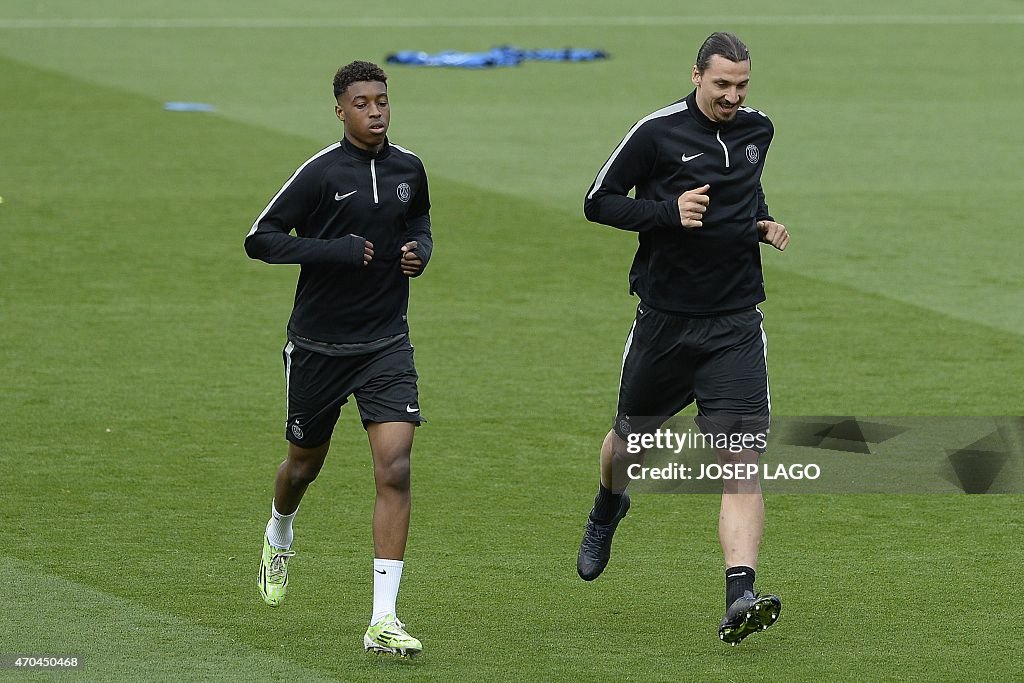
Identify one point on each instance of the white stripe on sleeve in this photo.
(664, 111)
(284, 187)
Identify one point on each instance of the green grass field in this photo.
(142, 392)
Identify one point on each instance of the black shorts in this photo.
(318, 385)
(671, 360)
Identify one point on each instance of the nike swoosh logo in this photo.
(686, 158)
(736, 576)
(380, 571)
(410, 409)
(339, 196)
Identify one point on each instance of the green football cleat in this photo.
(389, 636)
(747, 615)
(273, 578)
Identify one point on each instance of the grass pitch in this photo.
(143, 391)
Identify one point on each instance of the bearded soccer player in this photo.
(360, 212)
(701, 216)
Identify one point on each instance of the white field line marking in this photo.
(462, 22)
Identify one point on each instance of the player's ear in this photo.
(339, 112)
(695, 76)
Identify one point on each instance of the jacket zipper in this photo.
(373, 175)
(718, 134)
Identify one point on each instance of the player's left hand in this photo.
(412, 264)
(774, 234)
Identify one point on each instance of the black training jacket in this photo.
(701, 271)
(337, 198)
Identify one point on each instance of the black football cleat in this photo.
(749, 614)
(596, 548)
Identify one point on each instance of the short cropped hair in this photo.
(723, 44)
(355, 72)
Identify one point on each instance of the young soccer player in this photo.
(359, 209)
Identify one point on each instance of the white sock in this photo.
(387, 574)
(279, 528)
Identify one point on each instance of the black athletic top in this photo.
(335, 200)
(700, 271)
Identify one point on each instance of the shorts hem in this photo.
(415, 419)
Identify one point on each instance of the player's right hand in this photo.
(352, 251)
(692, 205)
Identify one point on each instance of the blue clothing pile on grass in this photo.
(504, 55)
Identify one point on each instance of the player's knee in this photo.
(304, 473)
(742, 464)
(393, 473)
(304, 464)
(620, 449)
(614, 445)
(738, 457)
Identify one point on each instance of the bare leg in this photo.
(615, 461)
(295, 474)
(391, 445)
(741, 519)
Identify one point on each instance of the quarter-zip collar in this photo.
(709, 125)
(699, 117)
(364, 155)
(368, 158)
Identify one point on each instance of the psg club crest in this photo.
(752, 154)
(404, 192)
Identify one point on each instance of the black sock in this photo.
(605, 505)
(737, 580)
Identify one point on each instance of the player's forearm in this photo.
(280, 248)
(762, 206)
(626, 213)
(419, 232)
